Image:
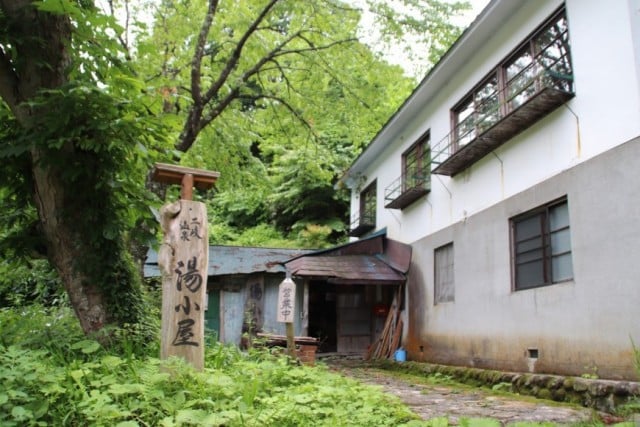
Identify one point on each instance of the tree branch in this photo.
(196, 64)
(235, 56)
(195, 121)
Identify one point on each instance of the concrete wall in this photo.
(584, 326)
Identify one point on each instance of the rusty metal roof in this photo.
(377, 260)
(225, 260)
(346, 269)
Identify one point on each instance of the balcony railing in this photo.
(406, 189)
(529, 96)
(363, 223)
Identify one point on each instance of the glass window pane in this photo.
(530, 275)
(444, 289)
(560, 241)
(487, 105)
(561, 268)
(520, 79)
(528, 228)
(553, 55)
(559, 216)
(528, 245)
(465, 128)
(529, 256)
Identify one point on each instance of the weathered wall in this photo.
(584, 326)
(254, 295)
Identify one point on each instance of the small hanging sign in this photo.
(286, 301)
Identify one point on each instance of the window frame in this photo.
(368, 201)
(545, 233)
(438, 296)
(422, 165)
(499, 73)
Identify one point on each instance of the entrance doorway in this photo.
(347, 318)
(322, 315)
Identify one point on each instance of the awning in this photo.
(374, 261)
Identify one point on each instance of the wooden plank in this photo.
(183, 261)
(173, 174)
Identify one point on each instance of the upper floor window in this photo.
(477, 112)
(546, 54)
(531, 82)
(415, 180)
(542, 246)
(366, 217)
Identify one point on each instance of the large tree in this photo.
(72, 146)
(78, 120)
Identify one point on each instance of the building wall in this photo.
(583, 326)
(253, 295)
(603, 114)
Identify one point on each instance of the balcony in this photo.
(532, 94)
(364, 223)
(406, 189)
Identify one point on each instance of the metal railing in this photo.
(405, 183)
(364, 221)
(531, 80)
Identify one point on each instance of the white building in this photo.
(513, 172)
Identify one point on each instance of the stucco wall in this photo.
(604, 113)
(584, 326)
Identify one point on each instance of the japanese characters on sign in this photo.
(286, 301)
(192, 280)
(184, 258)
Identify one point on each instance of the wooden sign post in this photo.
(286, 311)
(184, 260)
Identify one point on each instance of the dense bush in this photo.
(52, 375)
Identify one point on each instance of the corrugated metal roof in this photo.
(225, 260)
(346, 269)
(376, 260)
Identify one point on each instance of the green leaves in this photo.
(103, 388)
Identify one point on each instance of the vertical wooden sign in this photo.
(287, 310)
(184, 260)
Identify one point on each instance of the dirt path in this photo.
(431, 401)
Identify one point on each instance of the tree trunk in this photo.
(64, 248)
(102, 284)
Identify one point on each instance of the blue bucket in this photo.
(400, 355)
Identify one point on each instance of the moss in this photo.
(544, 393)
(559, 394)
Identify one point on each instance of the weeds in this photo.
(53, 375)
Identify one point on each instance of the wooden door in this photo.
(354, 320)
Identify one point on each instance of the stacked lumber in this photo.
(388, 342)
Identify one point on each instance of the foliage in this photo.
(29, 281)
(280, 95)
(295, 125)
(423, 30)
(75, 381)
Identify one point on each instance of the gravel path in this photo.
(431, 401)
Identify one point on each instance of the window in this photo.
(531, 82)
(416, 165)
(542, 246)
(443, 274)
(368, 204)
(366, 218)
(415, 180)
(542, 60)
(477, 112)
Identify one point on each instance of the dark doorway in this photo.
(322, 315)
